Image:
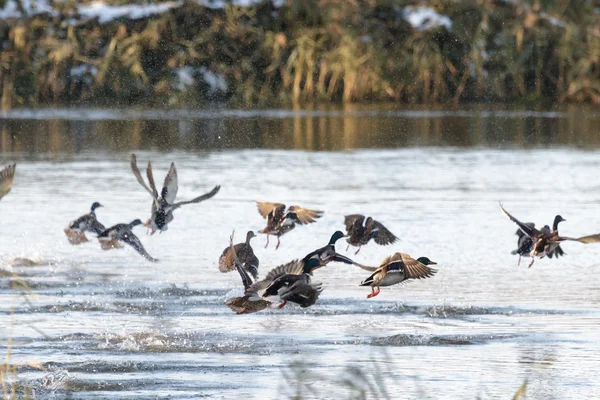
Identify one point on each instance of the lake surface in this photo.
(113, 325)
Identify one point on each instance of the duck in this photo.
(245, 255)
(361, 231)
(545, 241)
(7, 175)
(290, 282)
(327, 253)
(111, 238)
(243, 304)
(280, 221)
(86, 223)
(164, 204)
(525, 243)
(398, 268)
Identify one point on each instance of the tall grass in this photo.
(308, 50)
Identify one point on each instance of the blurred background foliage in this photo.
(294, 51)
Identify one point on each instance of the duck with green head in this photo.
(86, 223)
(398, 268)
(112, 237)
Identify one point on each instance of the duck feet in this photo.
(357, 250)
(282, 305)
(347, 248)
(531, 263)
(278, 243)
(519, 262)
(267, 245)
(373, 293)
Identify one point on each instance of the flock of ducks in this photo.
(291, 282)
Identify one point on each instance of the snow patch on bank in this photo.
(425, 18)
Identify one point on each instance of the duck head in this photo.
(336, 236)
(426, 261)
(96, 205)
(135, 222)
(558, 219)
(311, 264)
(249, 236)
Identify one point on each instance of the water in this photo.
(112, 325)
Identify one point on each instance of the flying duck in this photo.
(398, 268)
(164, 204)
(86, 223)
(112, 237)
(280, 221)
(360, 231)
(245, 256)
(7, 175)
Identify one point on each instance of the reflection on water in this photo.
(354, 127)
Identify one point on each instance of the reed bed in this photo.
(296, 51)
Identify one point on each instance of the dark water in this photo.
(324, 129)
(112, 325)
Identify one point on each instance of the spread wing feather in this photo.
(414, 269)
(305, 215)
(7, 176)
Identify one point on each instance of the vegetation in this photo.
(305, 51)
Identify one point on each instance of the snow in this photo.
(11, 10)
(215, 81)
(106, 13)
(186, 77)
(425, 18)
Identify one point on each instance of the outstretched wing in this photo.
(353, 219)
(381, 234)
(246, 280)
(151, 182)
(139, 178)
(585, 239)
(414, 269)
(257, 289)
(134, 242)
(205, 196)
(169, 190)
(265, 208)
(304, 215)
(528, 230)
(7, 175)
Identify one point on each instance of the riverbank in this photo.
(188, 53)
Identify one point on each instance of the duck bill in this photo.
(432, 263)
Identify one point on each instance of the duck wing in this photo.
(7, 175)
(132, 240)
(530, 231)
(584, 239)
(413, 268)
(352, 220)
(138, 176)
(257, 289)
(96, 226)
(305, 215)
(151, 181)
(302, 293)
(265, 209)
(169, 190)
(198, 199)
(381, 234)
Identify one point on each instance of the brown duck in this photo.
(245, 256)
(280, 221)
(361, 231)
(7, 175)
(243, 304)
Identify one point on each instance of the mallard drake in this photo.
(546, 240)
(86, 223)
(288, 283)
(243, 304)
(245, 255)
(7, 175)
(164, 204)
(525, 243)
(398, 268)
(326, 254)
(360, 231)
(112, 237)
(280, 221)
